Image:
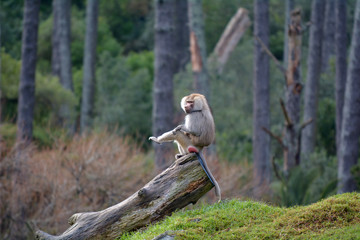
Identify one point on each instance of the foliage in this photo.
(236, 219)
(124, 93)
(314, 179)
(355, 172)
(126, 20)
(49, 94)
(10, 74)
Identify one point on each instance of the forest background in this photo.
(72, 166)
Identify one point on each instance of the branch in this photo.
(276, 170)
(306, 123)
(286, 115)
(278, 64)
(278, 138)
(306, 28)
(184, 182)
(232, 34)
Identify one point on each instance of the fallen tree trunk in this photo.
(232, 34)
(184, 182)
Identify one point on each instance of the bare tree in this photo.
(350, 129)
(165, 68)
(182, 34)
(63, 11)
(328, 42)
(291, 108)
(341, 55)
(313, 75)
(88, 90)
(55, 45)
(198, 48)
(289, 5)
(261, 107)
(28, 67)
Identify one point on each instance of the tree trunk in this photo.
(88, 90)
(55, 45)
(64, 16)
(328, 42)
(184, 182)
(313, 75)
(198, 48)
(182, 34)
(350, 129)
(292, 94)
(261, 107)
(28, 68)
(165, 68)
(341, 56)
(289, 5)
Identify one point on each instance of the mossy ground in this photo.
(337, 217)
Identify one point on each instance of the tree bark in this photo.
(184, 182)
(182, 34)
(289, 5)
(64, 22)
(313, 75)
(28, 68)
(261, 107)
(341, 56)
(55, 45)
(292, 94)
(88, 90)
(350, 129)
(165, 68)
(198, 48)
(328, 42)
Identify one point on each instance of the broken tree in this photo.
(184, 182)
(290, 141)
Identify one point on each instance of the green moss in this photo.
(332, 218)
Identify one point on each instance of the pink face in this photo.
(189, 106)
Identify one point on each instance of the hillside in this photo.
(337, 217)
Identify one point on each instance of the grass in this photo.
(337, 217)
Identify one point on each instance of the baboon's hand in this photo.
(154, 139)
(178, 128)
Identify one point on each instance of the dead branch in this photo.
(184, 182)
(286, 115)
(232, 34)
(264, 47)
(276, 170)
(277, 138)
(305, 124)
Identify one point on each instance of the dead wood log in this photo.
(184, 182)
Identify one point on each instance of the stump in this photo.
(184, 182)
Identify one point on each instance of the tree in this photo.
(88, 90)
(350, 129)
(165, 68)
(328, 42)
(198, 48)
(28, 67)
(63, 10)
(261, 107)
(341, 53)
(313, 75)
(55, 51)
(289, 5)
(293, 90)
(182, 29)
